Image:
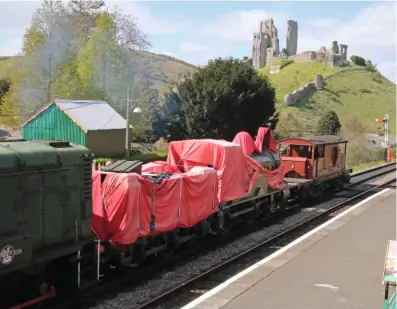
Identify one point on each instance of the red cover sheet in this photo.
(116, 207)
(128, 206)
(275, 178)
(236, 172)
(246, 142)
(260, 137)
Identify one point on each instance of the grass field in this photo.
(294, 76)
(364, 166)
(352, 93)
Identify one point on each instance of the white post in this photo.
(127, 129)
(386, 121)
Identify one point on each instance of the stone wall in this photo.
(309, 56)
(304, 91)
(297, 95)
(275, 69)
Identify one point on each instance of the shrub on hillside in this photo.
(328, 124)
(357, 60)
(371, 67)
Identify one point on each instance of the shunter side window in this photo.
(319, 152)
(304, 151)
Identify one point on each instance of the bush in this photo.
(371, 67)
(328, 124)
(357, 60)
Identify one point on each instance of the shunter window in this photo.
(319, 152)
(304, 151)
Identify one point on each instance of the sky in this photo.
(196, 31)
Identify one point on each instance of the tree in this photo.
(219, 100)
(328, 124)
(5, 84)
(284, 52)
(357, 60)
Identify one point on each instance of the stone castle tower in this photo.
(266, 44)
(292, 38)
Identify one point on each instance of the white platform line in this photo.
(275, 254)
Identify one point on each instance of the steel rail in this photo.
(272, 239)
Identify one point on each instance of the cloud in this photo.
(15, 17)
(239, 26)
(10, 47)
(202, 57)
(192, 47)
(371, 33)
(322, 22)
(150, 24)
(389, 70)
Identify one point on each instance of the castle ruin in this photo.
(266, 48)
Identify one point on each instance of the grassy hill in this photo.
(160, 68)
(5, 65)
(350, 92)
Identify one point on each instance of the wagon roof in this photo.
(316, 140)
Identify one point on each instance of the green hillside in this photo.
(5, 65)
(160, 68)
(350, 92)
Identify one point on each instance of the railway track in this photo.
(215, 275)
(148, 289)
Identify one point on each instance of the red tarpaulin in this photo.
(246, 142)
(275, 178)
(261, 136)
(127, 206)
(236, 175)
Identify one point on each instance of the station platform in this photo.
(337, 265)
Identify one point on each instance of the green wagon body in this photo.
(45, 189)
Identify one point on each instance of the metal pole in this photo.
(127, 128)
(386, 121)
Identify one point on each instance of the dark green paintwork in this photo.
(54, 124)
(45, 189)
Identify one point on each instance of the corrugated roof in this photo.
(92, 115)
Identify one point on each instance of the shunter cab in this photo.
(313, 157)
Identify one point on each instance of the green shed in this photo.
(93, 124)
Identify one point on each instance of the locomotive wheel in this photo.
(138, 255)
(226, 224)
(304, 196)
(251, 217)
(62, 275)
(172, 245)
